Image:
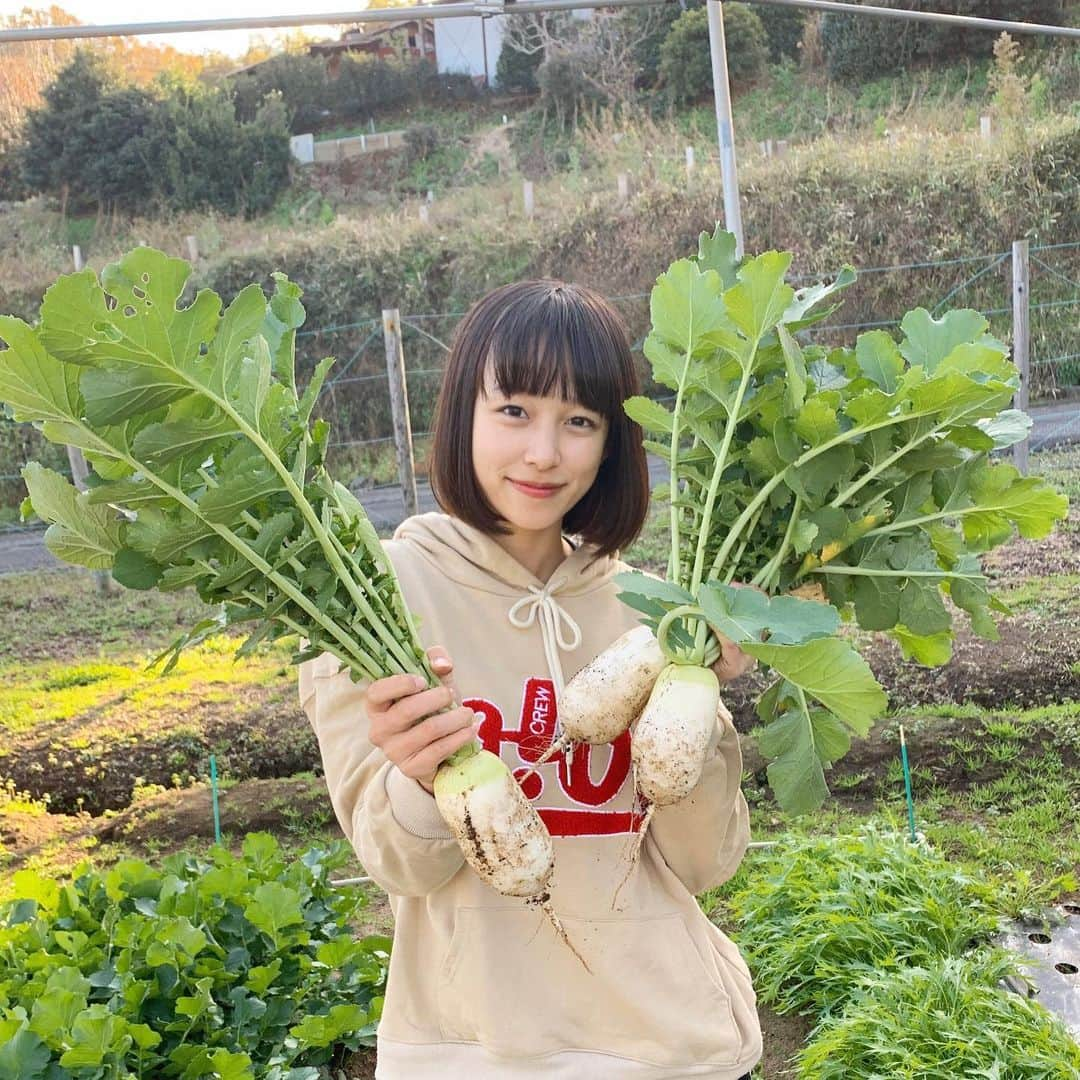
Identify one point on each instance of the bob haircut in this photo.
(544, 338)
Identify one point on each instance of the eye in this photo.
(515, 412)
(584, 422)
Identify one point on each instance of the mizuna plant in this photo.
(208, 472)
(848, 484)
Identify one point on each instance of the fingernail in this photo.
(478, 725)
(419, 682)
(441, 661)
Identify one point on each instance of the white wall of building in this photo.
(460, 45)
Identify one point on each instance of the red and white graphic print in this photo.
(585, 792)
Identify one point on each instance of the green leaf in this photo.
(931, 650)
(275, 907)
(758, 302)
(717, 252)
(285, 315)
(314, 388)
(34, 385)
(817, 421)
(134, 570)
(795, 393)
(24, 1056)
(340, 1022)
(808, 298)
(831, 671)
(927, 341)
(879, 359)
(685, 305)
(651, 587)
(741, 614)
(78, 532)
(651, 415)
(95, 1035)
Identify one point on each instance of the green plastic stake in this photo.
(213, 794)
(907, 784)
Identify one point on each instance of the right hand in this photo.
(408, 724)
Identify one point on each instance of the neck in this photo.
(540, 553)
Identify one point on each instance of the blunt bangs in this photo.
(544, 338)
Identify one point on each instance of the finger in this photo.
(409, 712)
(440, 660)
(434, 754)
(384, 691)
(436, 727)
(443, 667)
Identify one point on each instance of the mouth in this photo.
(536, 491)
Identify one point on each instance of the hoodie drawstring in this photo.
(540, 603)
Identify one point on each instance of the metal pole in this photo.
(494, 7)
(725, 126)
(973, 21)
(1021, 341)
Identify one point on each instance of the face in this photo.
(534, 457)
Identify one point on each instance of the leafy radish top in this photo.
(860, 477)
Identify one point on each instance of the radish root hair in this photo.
(561, 743)
(544, 903)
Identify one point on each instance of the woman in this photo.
(542, 479)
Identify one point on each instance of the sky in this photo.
(231, 42)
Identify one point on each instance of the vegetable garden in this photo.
(860, 490)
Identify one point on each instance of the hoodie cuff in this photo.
(414, 809)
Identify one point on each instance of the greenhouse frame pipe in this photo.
(366, 15)
(497, 7)
(973, 21)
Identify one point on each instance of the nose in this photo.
(542, 450)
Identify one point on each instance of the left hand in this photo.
(733, 661)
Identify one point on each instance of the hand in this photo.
(417, 728)
(733, 661)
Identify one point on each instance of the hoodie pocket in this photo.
(510, 984)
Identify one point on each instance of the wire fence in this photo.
(356, 401)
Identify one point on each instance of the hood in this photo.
(473, 558)
(464, 554)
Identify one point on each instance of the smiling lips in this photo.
(536, 491)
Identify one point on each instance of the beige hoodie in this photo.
(479, 986)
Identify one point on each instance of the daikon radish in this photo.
(607, 695)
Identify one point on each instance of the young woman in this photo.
(543, 479)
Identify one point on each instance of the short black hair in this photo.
(545, 337)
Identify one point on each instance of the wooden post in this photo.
(781, 147)
(192, 248)
(399, 407)
(386, 140)
(363, 143)
(76, 258)
(1021, 340)
(527, 196)
(430, 195)
(689, 161)
(623, 181)
(986, 128)
(424, 217)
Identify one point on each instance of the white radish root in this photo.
(501, 834)
(670, 742)
(605, 697)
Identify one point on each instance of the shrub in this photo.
(563, 85)
(863, 47)
(950, 1018)
(211, 966)
(174, 146)
(783, 29)
(516, 70)
(685, 62)
(422, 140)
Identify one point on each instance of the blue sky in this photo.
(233, 42)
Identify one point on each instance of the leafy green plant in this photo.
(945, 1018)
(822, 911)
(858, 479)
(222, 966)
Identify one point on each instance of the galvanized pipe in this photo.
(496, 7)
